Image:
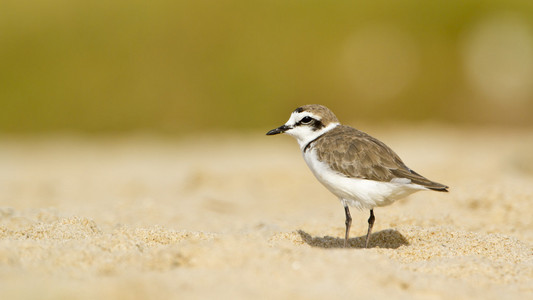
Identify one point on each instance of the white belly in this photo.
(359, 193)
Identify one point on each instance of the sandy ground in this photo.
(241, 216)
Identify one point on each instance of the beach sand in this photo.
(241, 216)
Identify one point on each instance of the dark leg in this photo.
(348, 225)
(370, 224)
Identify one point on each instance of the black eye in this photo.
(307, 120)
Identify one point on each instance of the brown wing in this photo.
(357, 154)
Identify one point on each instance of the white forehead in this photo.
(297, 116)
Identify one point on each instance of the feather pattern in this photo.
(355, 154)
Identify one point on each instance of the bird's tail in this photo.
(421, 180)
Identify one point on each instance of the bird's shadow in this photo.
(388, 238)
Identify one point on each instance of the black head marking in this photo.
(311, 122)
(317, 125)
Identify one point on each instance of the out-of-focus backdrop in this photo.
(187, 66)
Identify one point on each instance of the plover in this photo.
(359, 169)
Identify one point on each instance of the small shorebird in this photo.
(360, 170)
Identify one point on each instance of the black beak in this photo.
(279, 130)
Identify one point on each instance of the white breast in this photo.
(359, 193)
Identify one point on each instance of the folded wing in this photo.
(357, 154)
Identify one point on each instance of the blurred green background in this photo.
(188, 66)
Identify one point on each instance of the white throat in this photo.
(305, 135)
